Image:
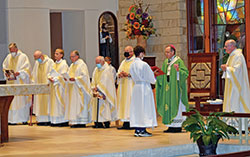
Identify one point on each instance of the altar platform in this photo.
(45, 141)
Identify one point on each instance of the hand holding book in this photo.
(10, 74)
(157, 71)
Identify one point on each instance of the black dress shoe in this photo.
(173, 130)
(78, 126)
(43, 123)
(54, 125)
(60, 124)
(126, 126)
(64, 124)
(12, 123)
(107, 124)
(98, 125)
(25, 123)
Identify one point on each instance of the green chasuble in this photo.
(168, 94)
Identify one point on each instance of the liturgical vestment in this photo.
(79, 94)
(142, 107)
(124, 91)
(237, 93)
(20, 106)
(171, 92)
(40, 73)
(57, 91)
(103, 80)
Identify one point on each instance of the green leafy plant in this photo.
(209, 128)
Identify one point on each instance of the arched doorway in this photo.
(110, 19)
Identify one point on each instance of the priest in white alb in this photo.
(125, 87)
(19, 64)
(57, 90)
(104, 95)
(237, 92)
(78, 110)
(41, 69)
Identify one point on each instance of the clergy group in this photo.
(76, 100)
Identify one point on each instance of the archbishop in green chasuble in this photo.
(171, 90)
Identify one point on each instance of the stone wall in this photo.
(169, 18)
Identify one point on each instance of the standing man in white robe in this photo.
(19, 63)
(57, 91)
(237, 92)
(42, 67)
(142, 107)
(78, 110)
(103, 87)
(125, 87)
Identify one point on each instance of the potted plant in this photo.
(207, 131)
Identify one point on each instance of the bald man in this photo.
(125, 87)
(237, 93)
(103, 87)
(42, 67)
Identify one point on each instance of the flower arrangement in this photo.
(139, 22)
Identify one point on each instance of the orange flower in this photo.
(131, 8)
(136, 25)
(132, 16)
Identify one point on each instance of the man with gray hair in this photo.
(78, 109)
(16, 67)
(104, 94)
(237, 92)
(41, 69)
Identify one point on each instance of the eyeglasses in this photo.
(226, 46)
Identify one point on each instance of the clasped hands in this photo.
(52, 80)
(223, 67)
(123, 74)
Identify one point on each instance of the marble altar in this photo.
(7, 93)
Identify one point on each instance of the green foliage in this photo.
(209, 128)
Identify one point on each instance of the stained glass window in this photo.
(196, 26)
(230, 11)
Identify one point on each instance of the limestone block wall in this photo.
(169, 18)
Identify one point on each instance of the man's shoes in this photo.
(25, 123)
(98, 125)
(107, 124)
(43, 123)
(64, 124)
(12, 123)
(137, 133)
(60, 124)
(173, 130)
(78, 126)
(144, 133)
(126, 126)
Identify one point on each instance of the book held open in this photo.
(157, 71)
(10, 74)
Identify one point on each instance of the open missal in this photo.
(10, 74)
(157, 71)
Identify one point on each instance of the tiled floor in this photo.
(47, 141)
